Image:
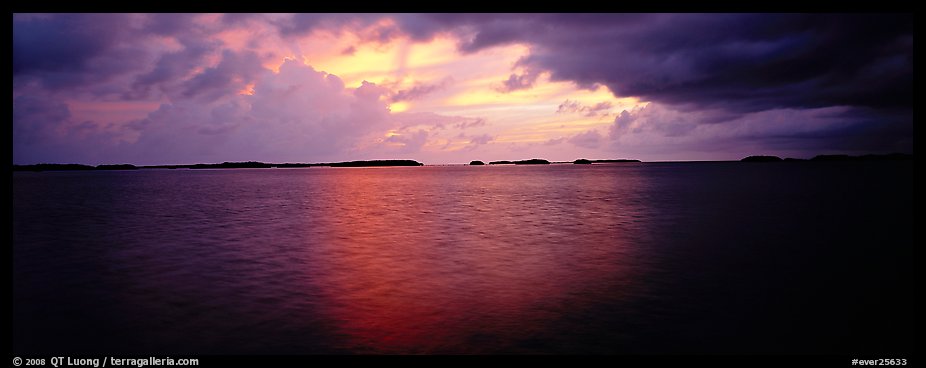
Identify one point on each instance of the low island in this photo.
(761, 159)
(533, 161)
(71, 167)
(583, 161)
(376, 163)
(224, 165)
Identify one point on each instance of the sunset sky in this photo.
(189, 88)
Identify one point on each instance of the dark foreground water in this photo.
(625, 258)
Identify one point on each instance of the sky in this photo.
(151, 89)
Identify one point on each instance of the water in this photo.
(623, 258)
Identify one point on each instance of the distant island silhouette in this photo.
(533, 161)
(374, 163)
(233, 165)
(761, 159)
(72, 167)
(224, 165)
(583, 161)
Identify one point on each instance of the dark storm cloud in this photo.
(170, 24)
(65, 51)
(738, 62)
(790, 81)
(34, 118)
(520, 81)
(233, 73)
(53, 44)
(172, 66)
(722, 68)
(304, 23)
(741, 62)
(82, 51)
(239, 18)
(864, 130)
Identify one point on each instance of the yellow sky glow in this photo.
(457, 85)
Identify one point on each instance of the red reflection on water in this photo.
(411, 273)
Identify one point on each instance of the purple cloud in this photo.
(520, 81)
(74, 51)
(657, 129)
(435, 121)
(411, 142)
(481, 139)
(733, 64)
(296, 115)
(714, 82)
(34, 119)
(470, 123)
(349, 50)
(587, 139)
(172, 67)
(554, 141)
(570, 106)
(744, 62)
(420, 90)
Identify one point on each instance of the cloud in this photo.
(470, 123)
(481, 139)
(74, 51)
(298, 114)
(587, 139)
(232, 74)
(50, 45)
(554, 141)
(349, 50)
(744, 62)
(407, 120)
(35, 119)
(369, 27)
(570, 106)
(172, 67)
(521, 81)
(732, 68)
(713, 82)
(174, 24)
(654, 128)
(45, 131)
(409, 143)
(420, 90)
(473, 142)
